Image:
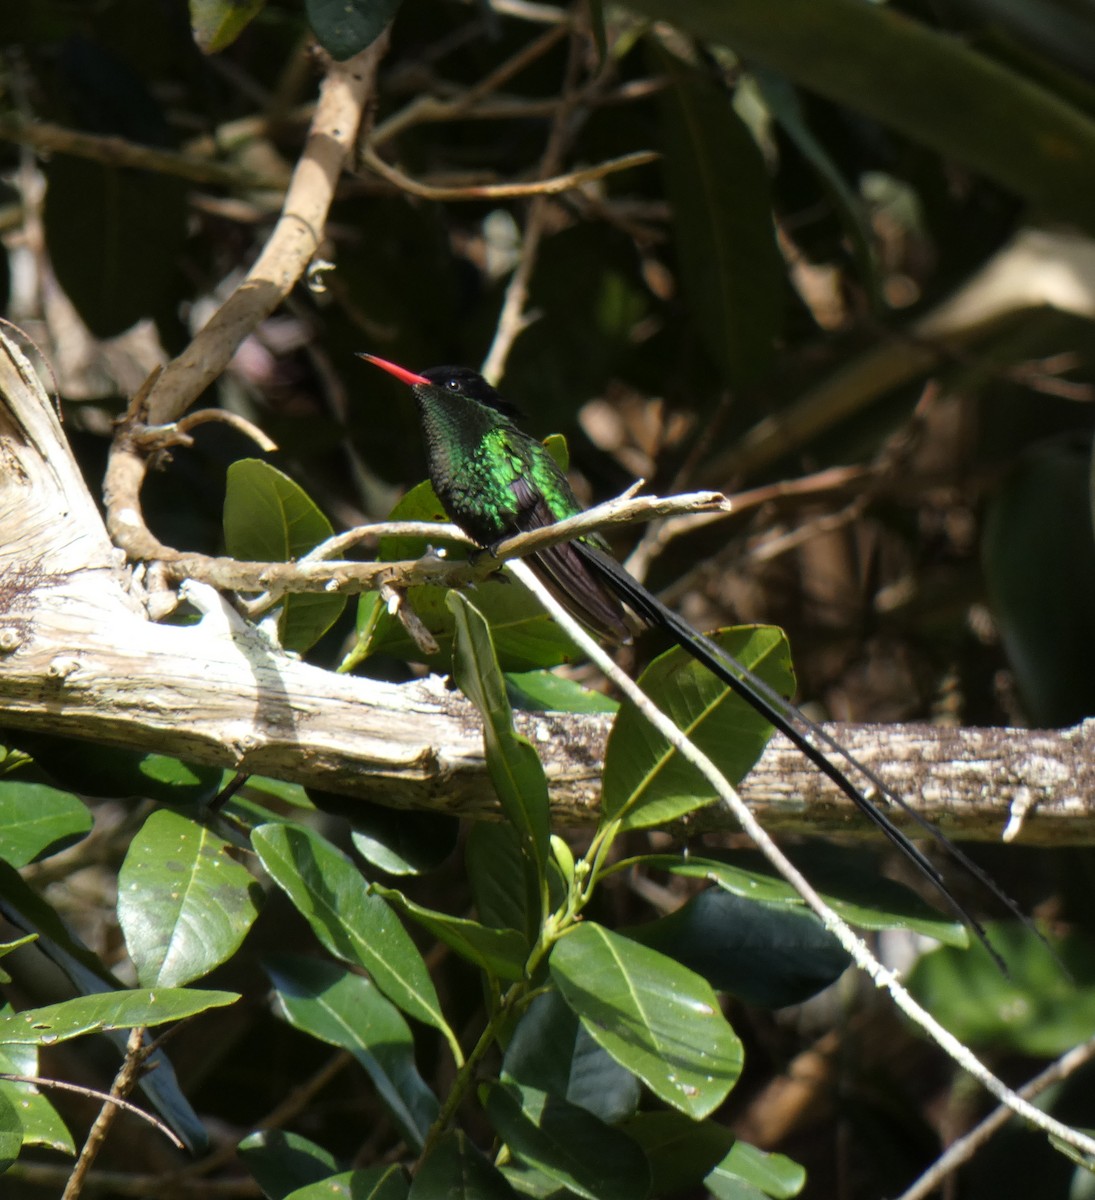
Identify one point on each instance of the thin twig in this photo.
(429, 108)
(94, 1094)
(124, 1083)
(119, 1183)
(157, 437)
(861, 955)
(512, 319)
(331, 138)
(962, 1150)
(118, 152)
(346, 577)
(505, 191)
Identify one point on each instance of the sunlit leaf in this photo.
(184, 904)
(270, 518)
(347, 1010)
(656, 1018)
(331, 894)
(109, 1010)
(646, 782)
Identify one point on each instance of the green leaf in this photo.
(217, 23)
(371, 1183)
(501, 952)
(25, 909)
(745, 1166)
(646, 782)
(96, 770)
(329, 891)
(398, 841)
(270, 518)
(860, 895)
(344, 27)
(347, 1010)
(566, 1143)
(655, 1017)
(455, 1170)
(11, 1132)
(114, 236)
(680, 1151)
(514, 766)
(717, 185)
(37, 820)
(976, 110)
(551, 1050)
(544, 691)
(525, 637)
(1038, 1009)
(766, 954)
(109, 1010)
(184, 904)
(41, 1124)
(282, 1162)
(507, 894)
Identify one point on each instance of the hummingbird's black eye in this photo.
(452, 384)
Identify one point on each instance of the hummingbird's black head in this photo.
(463, 381)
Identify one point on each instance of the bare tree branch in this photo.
(79, 657)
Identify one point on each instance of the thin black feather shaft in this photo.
(807, 737)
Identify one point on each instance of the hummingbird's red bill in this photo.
(401, 373)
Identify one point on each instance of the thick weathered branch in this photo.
(79, 657)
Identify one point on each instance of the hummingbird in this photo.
(495, 481)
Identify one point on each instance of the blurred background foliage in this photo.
(855, 289)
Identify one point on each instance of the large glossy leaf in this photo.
(184, 904)
(551, 1050)
(746, 1167)
(397, 841)
(455, 1170)
(281, 1162)
(329, 891)
(37, 820)
(646, 782)
(109, 1010)
(114, 235)
(845, 879)
(514, 766)
(270, 518)
(344, 27)
(544, 691)
(567, 1144)
(717, 184)
(655, 1017)
(11, 1133)
(347, 1010)
(976, 109)
(680, 1151)
(500, 952)
(506, 893)
(26, 910)
(525, 637)
(42, 1126)
(766, 954)
(1039, 1008)
(98, 770)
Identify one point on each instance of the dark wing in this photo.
(565, 573)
